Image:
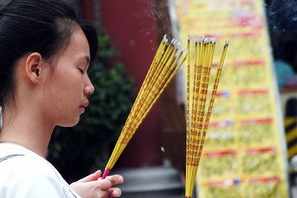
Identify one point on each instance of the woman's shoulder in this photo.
(25, 165)
(17, 157)
(29, 174)
(16, 160)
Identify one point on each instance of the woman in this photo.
(45, 54)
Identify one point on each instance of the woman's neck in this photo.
(28, 129)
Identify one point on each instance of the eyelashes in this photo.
(81, 70)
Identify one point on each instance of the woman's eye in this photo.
(81, 70)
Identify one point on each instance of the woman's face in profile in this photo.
(68, 86)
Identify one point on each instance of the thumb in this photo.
(92, 177)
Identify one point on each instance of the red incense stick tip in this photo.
(106, 173)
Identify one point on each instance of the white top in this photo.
(28, 175)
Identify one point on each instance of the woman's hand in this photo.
(93, 186)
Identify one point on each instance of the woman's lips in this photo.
(82, 109)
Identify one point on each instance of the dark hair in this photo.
(43, 26)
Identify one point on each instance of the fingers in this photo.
(101, 194)
(92, 177)
(115, 192)
(115, 179)
(93, 184)
(103, 184)
(109, 182)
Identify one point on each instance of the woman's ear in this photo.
(33, 67)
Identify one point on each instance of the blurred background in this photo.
(252, 141)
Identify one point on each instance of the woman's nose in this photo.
(89, 88)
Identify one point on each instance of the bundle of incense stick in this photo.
(169, 57)
(200, 101)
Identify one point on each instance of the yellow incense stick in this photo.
(200, 93)
(199, 104)
(164, 66)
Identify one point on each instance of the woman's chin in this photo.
(70, 123)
